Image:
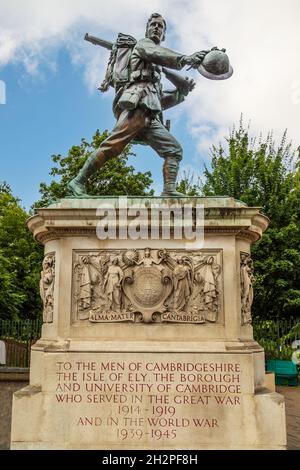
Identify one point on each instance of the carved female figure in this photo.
(182, 284)
(85, 291)
(247, 280)
(47, 287)
(205, 292)
(209, 279)
(148, 260)
(112, 285)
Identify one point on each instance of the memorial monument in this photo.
(147, 340)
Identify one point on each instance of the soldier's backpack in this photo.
(118, 68)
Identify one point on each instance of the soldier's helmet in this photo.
(216, 66)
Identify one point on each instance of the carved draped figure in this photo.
(112, 284)
(247, 280)
(182, 287)
(85, 287)
(209, 287)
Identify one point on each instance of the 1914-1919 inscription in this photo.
(148, 399)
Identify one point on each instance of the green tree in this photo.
(20, 261)
(115, 178)
(189, 184)
(261, 174)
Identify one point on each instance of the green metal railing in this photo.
(18, 337)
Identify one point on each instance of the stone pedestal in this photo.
(147, 343)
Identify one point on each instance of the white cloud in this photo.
(262, 40)
(263, 43)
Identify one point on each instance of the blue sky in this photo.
(45, 116)
(51, 76)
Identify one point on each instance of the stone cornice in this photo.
(70, 218)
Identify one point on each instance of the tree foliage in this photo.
(115, 178)
(189, 184)
(256, 172)
(261, 174)
(20, 261)
(20, 256)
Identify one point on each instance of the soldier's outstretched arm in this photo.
(151, 52)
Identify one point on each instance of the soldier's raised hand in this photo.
(191, 83)
(195, 59)
(217, 49)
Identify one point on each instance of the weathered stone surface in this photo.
(47, 286)
(149, 401)
(147, 285)
(120, 306)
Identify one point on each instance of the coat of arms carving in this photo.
(147, 285)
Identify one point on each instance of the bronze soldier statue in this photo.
(138, 106)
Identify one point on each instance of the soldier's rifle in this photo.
(177, 80)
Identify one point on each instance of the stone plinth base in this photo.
(147, 343)
(168, 397)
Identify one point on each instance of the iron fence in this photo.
(18, 337)
(277, 336)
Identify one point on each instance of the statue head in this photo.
(47, 263)
(115, 261)
(244, 258)
(147, 252)
(156, 28)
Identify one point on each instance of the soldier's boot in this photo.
(170, 171)
(94, 162)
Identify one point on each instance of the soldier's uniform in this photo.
(138, 107)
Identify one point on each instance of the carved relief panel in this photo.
(47, 287)
(147, 285)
